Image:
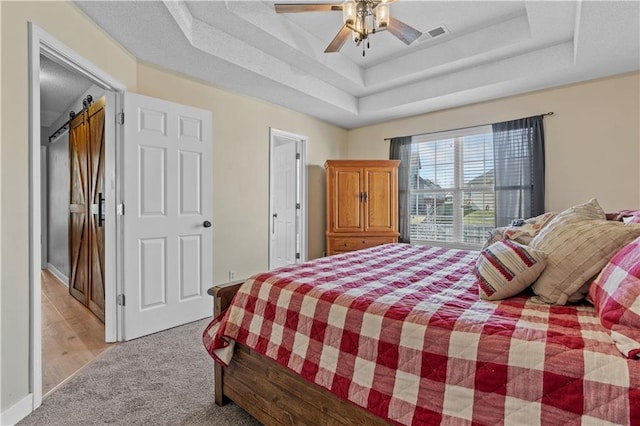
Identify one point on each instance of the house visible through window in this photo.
(451, 187)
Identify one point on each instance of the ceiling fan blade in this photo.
(306, 7)
(404, 32)
(339, 40)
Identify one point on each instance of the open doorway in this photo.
(72, 188)
(43, 47)
(287, 199)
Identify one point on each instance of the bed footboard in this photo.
(222, 296)
(273, 394)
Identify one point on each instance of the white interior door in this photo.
(285, 201)
(168, 240)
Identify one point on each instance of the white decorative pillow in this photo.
(506, 268)
(578, 242)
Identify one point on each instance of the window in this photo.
(451, 187)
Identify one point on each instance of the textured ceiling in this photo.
(59, 88)
(492, 49)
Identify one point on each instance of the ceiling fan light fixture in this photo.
(360, 19)
(349, 12)
(382, 15)
(368, 25)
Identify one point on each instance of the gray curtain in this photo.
(518, 147)
(400, 149)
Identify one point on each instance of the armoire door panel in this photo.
(348, 206)
(379, 188)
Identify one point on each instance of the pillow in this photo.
(506, 268)
(578, 242)
(635, 218)
(523, 233)
(616, 296)
(622, 215)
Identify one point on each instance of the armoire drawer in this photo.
(358, 243)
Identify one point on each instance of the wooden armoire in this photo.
(362, 204)
(86, 207)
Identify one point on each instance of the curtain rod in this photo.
(460, 128)
(85, 105)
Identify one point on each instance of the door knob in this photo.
(206, 224)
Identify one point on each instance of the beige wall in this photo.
(241, 167)
(240, 164)
(592, 142)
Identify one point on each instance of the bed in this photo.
(397, 334)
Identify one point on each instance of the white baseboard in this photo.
(17, 412)
(59, 275)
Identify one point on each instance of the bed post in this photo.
(222, 296)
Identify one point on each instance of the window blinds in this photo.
(451, 183)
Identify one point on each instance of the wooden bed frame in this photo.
(272, 393)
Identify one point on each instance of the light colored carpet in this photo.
(162, 379)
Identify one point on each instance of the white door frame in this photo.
(301, 183)
(40, 42)
(44, 208)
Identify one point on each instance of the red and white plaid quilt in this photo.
(616, 296)
(400, 330)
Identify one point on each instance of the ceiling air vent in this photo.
(438, 31)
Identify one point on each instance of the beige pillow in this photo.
(578, 242)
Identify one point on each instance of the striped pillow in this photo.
(506, 268)
(616, 296)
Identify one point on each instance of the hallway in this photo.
(71, 335)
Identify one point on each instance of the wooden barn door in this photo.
(78, 209)
(86, 226)
(95, 138)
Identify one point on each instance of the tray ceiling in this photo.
(491, 49)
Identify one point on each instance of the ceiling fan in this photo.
(361, 18)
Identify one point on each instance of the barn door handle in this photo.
(365, 197)
(206, 224)
(100, 210)
(361, 196)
